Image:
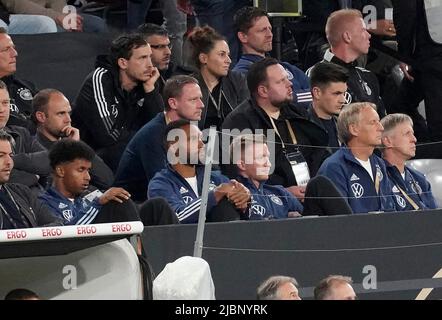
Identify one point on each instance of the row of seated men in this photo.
(122, 95)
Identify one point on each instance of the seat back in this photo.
(432, 169)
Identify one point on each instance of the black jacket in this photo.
(234, 91)
(414, 41)
(22, 92)
(363, 85)
(31, 161)
(4, 14)
(315, 119)
(36, 212)
(248, 115)
(106, 114)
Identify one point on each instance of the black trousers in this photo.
(117, 212)
(322, 198)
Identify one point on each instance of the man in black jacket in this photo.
(19, 208)
(297, 150)
(20, 91)
(118, 98)
(419, 38)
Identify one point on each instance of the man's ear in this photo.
(346, 37)
(59, 171)
(386, 141)
(316, 92)
(242, 37)
(241, 165)
(353, 129)
(40, 116)
(262, 91)
(122, 63)
(172, 103)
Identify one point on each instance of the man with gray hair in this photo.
(278, 288)
(413, 191)
(335, 287)
(359, 174)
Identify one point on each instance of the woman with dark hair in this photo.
(222, 88)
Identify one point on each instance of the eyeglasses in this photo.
(161, 46)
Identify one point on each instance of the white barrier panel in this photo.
(81, 231)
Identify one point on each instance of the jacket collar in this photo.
(330, 57)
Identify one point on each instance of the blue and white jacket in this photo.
(270, 201)
(415, 185)
(171, 186)
(300, 82)
(356, 185)
(81, 211)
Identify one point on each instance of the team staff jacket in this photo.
(363, 86)
(248, 115)
(143, 157)
(300, 82)
(415, 185)
(79, 211)
(21, 92)
(270, 202)
(171, 186)
(106, 114)
(356, 185)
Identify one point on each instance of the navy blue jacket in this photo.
(143, 157)
(300, 82)
(356, 185)
(81, 211)
(171, 186)
(270, 202)
(415, 186)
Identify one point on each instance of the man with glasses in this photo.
(159, 41)
(20, 91)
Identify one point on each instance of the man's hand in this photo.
(239, 195)
(71, 133)
(297, 191)
(406, 69)
(149, 84)
(114, 194)
(384, 28)
(294, 214)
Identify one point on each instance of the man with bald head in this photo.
(349, 40)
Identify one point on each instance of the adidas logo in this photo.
(62, 205)
(183, 190)
(395, 189)
(354, 177)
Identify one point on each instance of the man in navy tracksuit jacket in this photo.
(145, 154)
(411, 188)
(359, 174)
(181, 182)
(250, 21)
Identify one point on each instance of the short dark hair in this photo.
(4, 136)
(323, 289)
(178, 124)
(68, 150)
(152, 29)
(40, 102)
(3, 30)
(245, 17)
(324, 73)
(203, 41)
(2, 84)
(123, 45)
(21, 294)
(258, 73)
(174, 87)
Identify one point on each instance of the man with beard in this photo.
(181, 182)
(145, 154)
(118, 98)
(298, 152)
(399, 145)
(51, 114)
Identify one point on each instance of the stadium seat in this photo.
(59, 60)
(432, 168)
